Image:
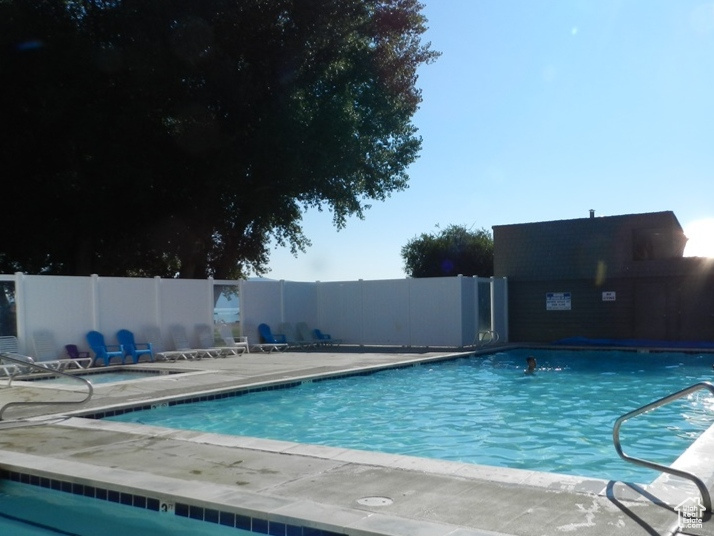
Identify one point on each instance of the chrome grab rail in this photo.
(21, 363)
(706, 498)
(485, 337)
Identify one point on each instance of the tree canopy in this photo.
(145, 137)
(451, 251)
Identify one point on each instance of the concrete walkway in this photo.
(332, 489)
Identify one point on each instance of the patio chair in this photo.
(269, 342)
(325, 338)
(8, 369)
(182, 347)
(11, 369)
(291, 337)
(132, 348)
(79, 358)
(207, 341)
(102, 351)
(152, 334)
(9, 346)
(315, 336)
(229, 339)
(304, 334)
(46, 351)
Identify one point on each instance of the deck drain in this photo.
(375, 501)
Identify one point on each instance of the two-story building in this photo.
(614, 277)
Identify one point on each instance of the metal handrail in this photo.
(4, 356)
(489, 336)
(706, 498)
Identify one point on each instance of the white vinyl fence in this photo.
(69, 307)
(440, 311)
(449, 311)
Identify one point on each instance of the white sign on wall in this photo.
(609, 295)
(557, 301)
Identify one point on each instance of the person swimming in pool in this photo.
(531, 361)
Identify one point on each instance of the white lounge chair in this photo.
(183, 349)
(291, 337)
(9, 345)
(153, 335)
(10, 369)
(46, 353)
(229, 339)
(305, 335)
(207, 341)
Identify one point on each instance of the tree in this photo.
(145, 137)
(452, 251)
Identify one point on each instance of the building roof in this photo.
(585, 247)
(657, 219)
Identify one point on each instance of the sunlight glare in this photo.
(701, 238)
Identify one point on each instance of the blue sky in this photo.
(541, 110)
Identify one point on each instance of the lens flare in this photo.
(701, 238)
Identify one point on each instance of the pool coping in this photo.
(356, 521)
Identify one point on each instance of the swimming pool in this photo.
(481, 410)
(29, 510)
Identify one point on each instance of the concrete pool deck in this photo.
(333, 489)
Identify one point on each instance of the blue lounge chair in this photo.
(267, 336)
(132, 348)
(102, 350)
(324, 338)
(269, 342)
(314, 336)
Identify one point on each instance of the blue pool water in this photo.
(482, 410)
(27, 510)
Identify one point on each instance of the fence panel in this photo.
(184, 302)
(300, 302)
(61, 305)
(124, 303)
(260, 302)
(435, 314)
(385, 311)
(339, 310)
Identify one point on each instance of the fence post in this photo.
(210, 298)
(282, 300)
(476, 312)
(94, 291)
(363, 315)
(20, 311)
(157, 303)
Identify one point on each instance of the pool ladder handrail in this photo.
(21, 361)
(706, 498)
(485, 337)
